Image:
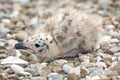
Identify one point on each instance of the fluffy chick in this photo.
(68, 30)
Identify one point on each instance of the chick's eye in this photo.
(37, 45)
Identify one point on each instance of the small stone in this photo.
(106, 39)
(67, 68)
(60, 61)
(21, 35)
(34, 21)
(85, 62)
(18, 69)
(95, 78)
(38, 78)
(12, 42)
(42, 65)
(4, 30)
(13, 60)
(114, 58)
(98, 72)
(84, 72)
(101, 64)
(55, 76)
(24, 1)
(76, 71)
(72, 76)
(9, 36)
(112, 73)
(7, 21)
(115, 40)
(109, 27)
(117, 54)
(115, 49)
(114, 33)
(116, 78)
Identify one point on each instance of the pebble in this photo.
(19, 70)
(60, 61)
(101, 64)
(34, 21)
(114, 58)
(67, 68)
(3, 30)
(24, 1)
(95, 78)
(115, 49)
(12, 42)
(114, 33)
(38, 78)
(85, 62)
(76, 71)
(55, 76)
(98, 72)
(72, 76)
(106, 38)
(114, 40)
(109, 27)
(13, 60)
(6, 21)
(42, 65)
(21, 35)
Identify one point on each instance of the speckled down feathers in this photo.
(70, 29)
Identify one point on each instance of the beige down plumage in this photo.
(66, 31)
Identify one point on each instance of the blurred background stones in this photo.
(19, 18)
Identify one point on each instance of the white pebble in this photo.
(115, 40)
(60, 61)
(105, 38)
(85, 62)
(76, 71)
(109, 27)
(13, 60)
(67, 68)
(17, 69)
(102, 64)
(5, 20)
(113, 33)
(34, 21)
(24, 1)
(95, 77)
(55, 76)
(114, 58)
(42, 65)
(18, 54)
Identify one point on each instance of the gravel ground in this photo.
(19, 18)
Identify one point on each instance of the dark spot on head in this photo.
(37, 45)
(40, 50)
(46, 38)
(70, 21)
(78, 33)
(39, 41)
(60, 38)
(51, 41)
(66, 14)
(46, 45)
(65, 29)
(27, 40)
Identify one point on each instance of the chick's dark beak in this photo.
(20, 46)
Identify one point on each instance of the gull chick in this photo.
(65, 32)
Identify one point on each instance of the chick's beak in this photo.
(20, 46)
